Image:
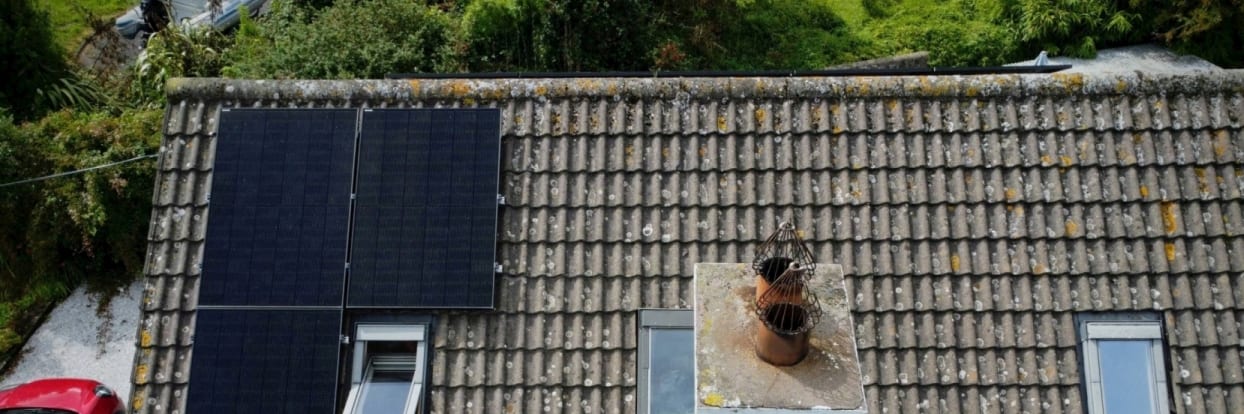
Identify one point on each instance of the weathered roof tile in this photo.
(974, 215)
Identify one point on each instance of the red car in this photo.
(60, 396)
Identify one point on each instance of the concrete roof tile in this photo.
(975, 216)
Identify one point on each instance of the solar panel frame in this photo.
(417, 249)
(278, 219)
(265, 361)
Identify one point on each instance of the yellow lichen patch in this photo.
(140, 373)
(973, 91)
(414, 85)
(136, 403)
(556, 120)
(629, 150)
(458, 88)
(468, 102)
(145, 339)
(954, 263)
(1047, 160)
(703, 151)
(496, 94)
(665, 152)
(1220, 143)
(1138, 138)
(800, 233)
(837, 129)
(859, 87)
(1219, 149)
(1170, 251)
(1202, 182)
(714, 399)
(891, 104)
(1018, 210)
(1144, 191)
(1071, 227)
(760, 115)
(721, 123)
(1038, 269)
(1168, 217)
(542, 90)
(587, 84)
(1072, 82)
(1066, 160)
(927, 87)
(1011, 193)
(1120, 86)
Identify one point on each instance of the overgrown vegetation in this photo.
(988, 32)
(347, 40)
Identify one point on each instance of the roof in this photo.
(1148, 59)
(974, 216)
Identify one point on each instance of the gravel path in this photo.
(76, 342)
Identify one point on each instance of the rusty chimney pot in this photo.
(788, 310)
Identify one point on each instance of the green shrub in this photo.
(954, 32)
(176, 52)
(1208, 28)
(786, 34)
(350, 39)
(33, 61)
(1075, 27)
(557, 35)
(879, 8)
(88, 227)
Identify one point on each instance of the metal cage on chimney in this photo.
(782, 248)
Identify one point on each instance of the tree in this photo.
(33, 60)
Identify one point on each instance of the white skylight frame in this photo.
(364, 367)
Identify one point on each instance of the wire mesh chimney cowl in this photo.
(789, 307)
(782, 248)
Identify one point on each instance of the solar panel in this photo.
(279, 209)
(265, 361)
(426, 210)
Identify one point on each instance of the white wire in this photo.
(49, 177)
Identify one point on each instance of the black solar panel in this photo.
(279, 208)
(265, 361)
(426, 211)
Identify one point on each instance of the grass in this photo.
(69, 18)
(851, 11)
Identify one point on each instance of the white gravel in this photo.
(76, 342)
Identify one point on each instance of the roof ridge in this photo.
(487, 90)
